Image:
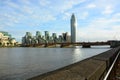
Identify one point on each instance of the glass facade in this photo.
(46, 38)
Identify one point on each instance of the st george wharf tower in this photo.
(73, 28)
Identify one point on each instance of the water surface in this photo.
(24, 63)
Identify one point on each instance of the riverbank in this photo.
(93, 68)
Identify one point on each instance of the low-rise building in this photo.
(6, 39)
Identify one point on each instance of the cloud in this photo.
(27, 10)
(11, 18)
(23, 13)
(90, 6)
(11, 5)
(66, 16)
(62, 6)
(103, 6)
(100, 29)
(108, 10)
(25, 2)
(84, 15)
(116, 16)
(45, 18)
(44, 3)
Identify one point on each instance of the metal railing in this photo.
(111, 74)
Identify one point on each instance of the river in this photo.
(24, 63)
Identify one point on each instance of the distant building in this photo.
(6, 39)
(73, 28)
(27, 39)
(38, 34)
(54, 35)
(68, 38)
(46, 38)
(61, 38)
(38, 37)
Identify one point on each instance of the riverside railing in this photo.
(111, 74)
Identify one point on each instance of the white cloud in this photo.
(11, 17)
(66, 15)
(62, 6)
(12, 5)
(44, 2)
(116, 16)
(96, 34)
(108, 10)
(49, 17)
(26, 2)
(45, 18)
(8, 24)
(90, 6)
(104, 6)
(27, 9)
(100, 29)
(84, 15)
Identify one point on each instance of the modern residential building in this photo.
(54, 35)
(38, 34)
(73, 28)
(46, 38)
(27, 39)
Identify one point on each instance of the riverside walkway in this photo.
(94, 68)
(118, 71)
(114, 71)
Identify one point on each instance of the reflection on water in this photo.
(77, 54)
(23, 63)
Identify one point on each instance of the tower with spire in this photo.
(73, 28)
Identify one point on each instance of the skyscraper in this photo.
(73, 28)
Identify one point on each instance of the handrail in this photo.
(111, 68)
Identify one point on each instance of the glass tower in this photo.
(73, 28)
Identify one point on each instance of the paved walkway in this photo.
(118, 71)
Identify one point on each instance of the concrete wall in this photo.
(93, 68)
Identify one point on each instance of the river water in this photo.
(24, 63)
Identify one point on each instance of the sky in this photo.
(97, 20)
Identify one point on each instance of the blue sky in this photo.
(97, 20)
